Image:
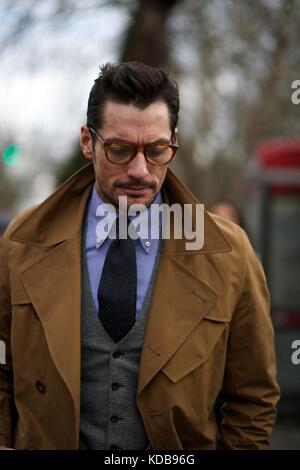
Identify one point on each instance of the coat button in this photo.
(40, 386)
(114, 418)
(115, 386)
(116, 354)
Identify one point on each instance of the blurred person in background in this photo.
(128, 343)
(227, 209)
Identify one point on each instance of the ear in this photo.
(86, 143)
(174, 136)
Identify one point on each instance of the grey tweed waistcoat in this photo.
(109, 418)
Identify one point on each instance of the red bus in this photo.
(272, 218)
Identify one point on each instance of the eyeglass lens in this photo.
(156, 153)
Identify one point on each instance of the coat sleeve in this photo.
(250, 389)
(6, 376)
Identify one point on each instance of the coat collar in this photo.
(59, 217)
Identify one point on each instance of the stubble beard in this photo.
(111, 198)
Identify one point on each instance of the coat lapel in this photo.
(179, 303)
(181, 298)
(51, 275)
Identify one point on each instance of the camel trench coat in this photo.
(209, 332)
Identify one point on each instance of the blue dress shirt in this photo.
(96, 250)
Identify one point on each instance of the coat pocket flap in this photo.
(196, 349)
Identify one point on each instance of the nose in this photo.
(138, 167)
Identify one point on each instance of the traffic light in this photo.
(11, 155)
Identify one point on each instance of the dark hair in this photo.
(131, 83)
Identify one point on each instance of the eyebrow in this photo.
(121, 139)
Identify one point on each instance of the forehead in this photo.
(124, 118)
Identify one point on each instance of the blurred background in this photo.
(238, 68)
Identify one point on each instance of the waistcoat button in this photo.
(114, 418)
(115, 386)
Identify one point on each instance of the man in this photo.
(128, 343)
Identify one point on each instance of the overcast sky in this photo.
(45, 79)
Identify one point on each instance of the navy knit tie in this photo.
(117, 288)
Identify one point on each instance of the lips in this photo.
(135, 190)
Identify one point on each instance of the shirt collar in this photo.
(94, 219)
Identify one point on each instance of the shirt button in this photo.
(148, 244)
(114, 418)
(115, 386)
(116, 354)
(40, 386)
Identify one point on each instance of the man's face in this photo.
(138, 180)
